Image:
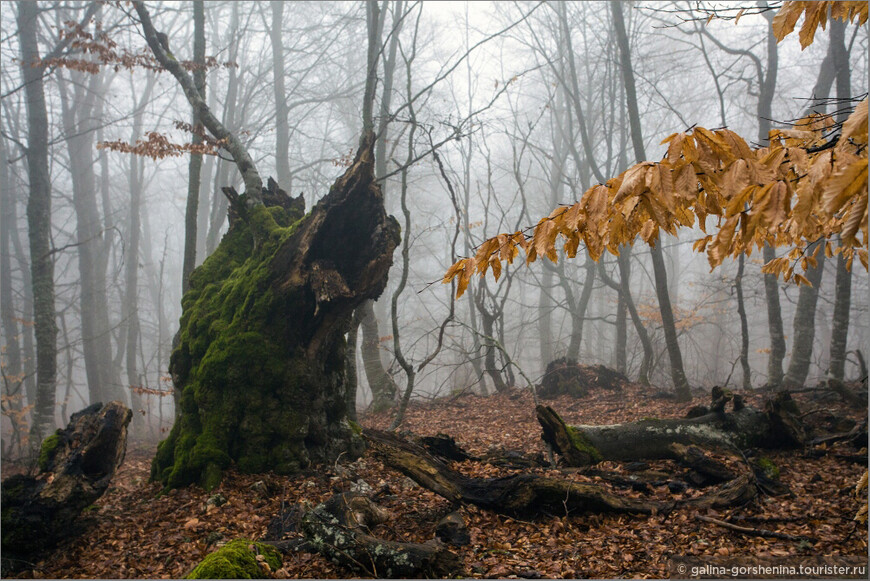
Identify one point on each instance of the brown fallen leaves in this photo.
(134, 532)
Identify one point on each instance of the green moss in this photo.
(48, 450)
(582, 443)
(236, 560)
(770, 469)
(357, 429)
(248, 389)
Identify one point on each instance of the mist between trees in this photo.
(487, 116)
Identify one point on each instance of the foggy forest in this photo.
(405, 289)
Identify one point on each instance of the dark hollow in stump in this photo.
(335, 529)
(520, 494)
(261, 359)
(649, 439)
(76, 465)
(566, 376)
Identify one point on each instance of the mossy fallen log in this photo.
(335, 528)
(648, 439)
(261, 360)
(76, 465)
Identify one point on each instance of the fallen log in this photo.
(650, 439)
(335, 529)
(76, 465)
(520, 494)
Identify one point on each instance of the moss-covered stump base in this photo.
(564, 376)
(335, 529)
(261, 357)
(239, 559)
(76, 465)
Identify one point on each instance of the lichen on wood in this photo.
(260, 362)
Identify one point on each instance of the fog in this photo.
(491, 94)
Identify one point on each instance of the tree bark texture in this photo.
(39, 222)
(261, 362)
(76, 466)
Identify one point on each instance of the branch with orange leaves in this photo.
(805, 186)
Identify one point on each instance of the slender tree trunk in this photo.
(39, 224)
(843, 292)
(744, 324)
(678, 375)
(195, 165)
(381, 383)
(12, 371)
(623, 288)
(804, 324)
(621, 334)
(282, 129)
(578, 310)
(77, 113)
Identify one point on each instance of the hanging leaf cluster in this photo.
(808, 185)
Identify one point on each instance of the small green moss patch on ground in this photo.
(237, 560)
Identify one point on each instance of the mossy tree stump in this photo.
(260, 365)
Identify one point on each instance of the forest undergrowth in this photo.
(134, 531)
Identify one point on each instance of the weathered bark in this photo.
(520, 494)
(335, 529)
(39, 223)
(649, 439)
(76, 466)
(261, 363)
(775, 372)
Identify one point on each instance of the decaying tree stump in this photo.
(335, 529)
(76, 465)
(260, 364)
(648, 439)
(566, 376)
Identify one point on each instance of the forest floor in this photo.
(134, 531)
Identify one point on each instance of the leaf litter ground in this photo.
(135, 532)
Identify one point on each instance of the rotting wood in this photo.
(76, 465)
(335, 528)
(755, 532)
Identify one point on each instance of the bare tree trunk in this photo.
(282, 130)
(678, 375)
(382, 385)
(744, 324)
(77, 115)
(767, 82)
(578, 310)
(804, 324)
(843, 292)
(12, 371)
(130, 308)
(39, 224)
(623, 287)
(195, 165)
